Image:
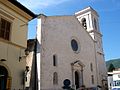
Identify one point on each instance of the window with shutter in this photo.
(5, 29)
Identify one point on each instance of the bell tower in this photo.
(88, 18)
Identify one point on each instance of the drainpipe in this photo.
(96, 63)
(36, 75)
(73, 85)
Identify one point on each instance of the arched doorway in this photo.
(77, 79)
(3, 77)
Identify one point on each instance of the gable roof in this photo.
(23, 8)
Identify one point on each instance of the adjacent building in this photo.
(114, 79)
(14, 19)
(113, 67)
(70, 47)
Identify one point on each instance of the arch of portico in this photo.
(77, 74)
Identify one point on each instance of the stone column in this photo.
(73, 80)
(82, 76)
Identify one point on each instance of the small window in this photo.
(92, 79)
(74, 45)
(54, 60)
(91, 66)
(5, 29)
(84, 24)
(55, 78)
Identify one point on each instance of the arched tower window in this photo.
(84, 24)
(55, 78)
(95, 23)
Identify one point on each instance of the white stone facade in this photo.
(84, 66)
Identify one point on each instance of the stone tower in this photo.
(88, 17)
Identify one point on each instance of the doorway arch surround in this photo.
(5, 77)
(77, 74)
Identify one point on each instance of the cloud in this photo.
(40, 4)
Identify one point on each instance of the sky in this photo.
(109, 18)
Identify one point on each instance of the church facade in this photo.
(70, 47)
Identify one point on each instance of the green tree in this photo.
(111, 68)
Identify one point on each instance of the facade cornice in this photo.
(88, 9)
(9, 42)
(95, 31)
(19, 8)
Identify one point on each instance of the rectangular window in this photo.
(91, 67)
(54, 60)
(5, 29)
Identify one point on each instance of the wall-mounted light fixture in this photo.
(24, 57)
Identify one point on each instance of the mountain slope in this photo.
(115, 62)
